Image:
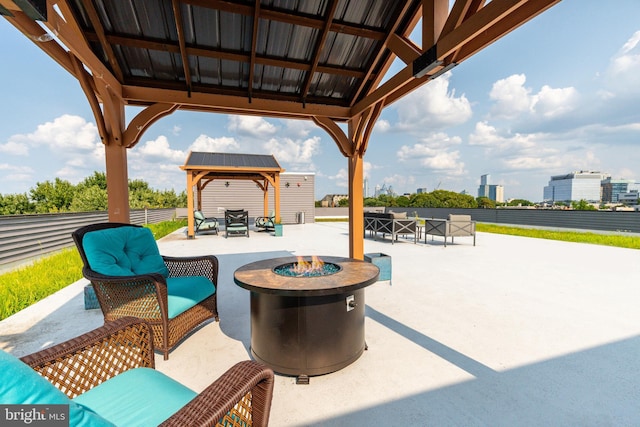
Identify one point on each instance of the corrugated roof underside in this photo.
(219, 44)
(232, 160)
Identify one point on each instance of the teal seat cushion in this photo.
(123, 251)
(186, 291)
(19, 384)
(138, 397)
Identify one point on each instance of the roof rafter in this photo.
(333, 4)
(177, 13)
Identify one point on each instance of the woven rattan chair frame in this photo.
(145, 296)
(241, 396)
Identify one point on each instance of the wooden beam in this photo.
(317, 49)
(106, 46)
(434, 16)
(403, 48)
(342, 141)
(143, 120)
(254, 44)
(88, 88)
(177, 13)
(232, 104)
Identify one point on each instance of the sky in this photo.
(559, 94)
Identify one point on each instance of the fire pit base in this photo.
(307, 326)
(307, 335)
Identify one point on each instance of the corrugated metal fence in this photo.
(627, 222)
(24, 237)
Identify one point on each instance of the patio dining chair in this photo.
(236, 222)
(204, 224)
(107, 377)
(130, 278)
(266, 223)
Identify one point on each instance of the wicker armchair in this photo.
(241, 396)
(150, 294)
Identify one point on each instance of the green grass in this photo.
(621, 241)
(29, 284)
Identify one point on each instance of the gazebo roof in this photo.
(278, 58)
(232, 165)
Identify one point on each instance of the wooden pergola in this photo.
(320, 60)
(204, 168)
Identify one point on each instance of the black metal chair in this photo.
(236, 222)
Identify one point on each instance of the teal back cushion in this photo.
(19, 384)
(123, 251)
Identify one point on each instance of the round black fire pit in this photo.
(307, 324)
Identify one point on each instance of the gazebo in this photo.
(203, 168)
(320, 60)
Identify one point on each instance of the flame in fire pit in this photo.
(303, 267)
(307, 268)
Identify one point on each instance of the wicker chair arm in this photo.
(227, 394)
(206, 265)
(116, 347)
(143, 295)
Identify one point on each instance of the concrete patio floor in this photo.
(513, 331)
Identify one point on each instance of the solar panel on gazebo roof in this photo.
(205, 159)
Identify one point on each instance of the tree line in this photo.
(88, 195)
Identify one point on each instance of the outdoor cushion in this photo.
(20, 384)
(123, 251)
(186, 291)
(138, 397)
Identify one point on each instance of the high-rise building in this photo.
(613, 189)
(493, 192)
(421, 190)
(575, 186)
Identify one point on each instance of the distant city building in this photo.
(613, 188)
(421, 190)
(332, 200)
(582, 185)
(630, 198)
(493, 192)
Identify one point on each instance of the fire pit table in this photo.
(307, 323)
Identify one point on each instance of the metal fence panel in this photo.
(24, 237)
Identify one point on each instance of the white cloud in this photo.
(510, 96)
(623, 74)
(66, 135)
(512, 99)
(434, 152)
(299, 128)
(251, 125)
(341, 178)
(293, 151)
(14, 148)
(66, 132)
(206, 143)
(382, 126)
(432, 106)
(159, 150)
(551, 102)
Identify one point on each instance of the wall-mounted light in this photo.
(426, 62)
(443, 70)
(287, 185)
(226, 184)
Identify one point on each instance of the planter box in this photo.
(383, 262)
(90, 299)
